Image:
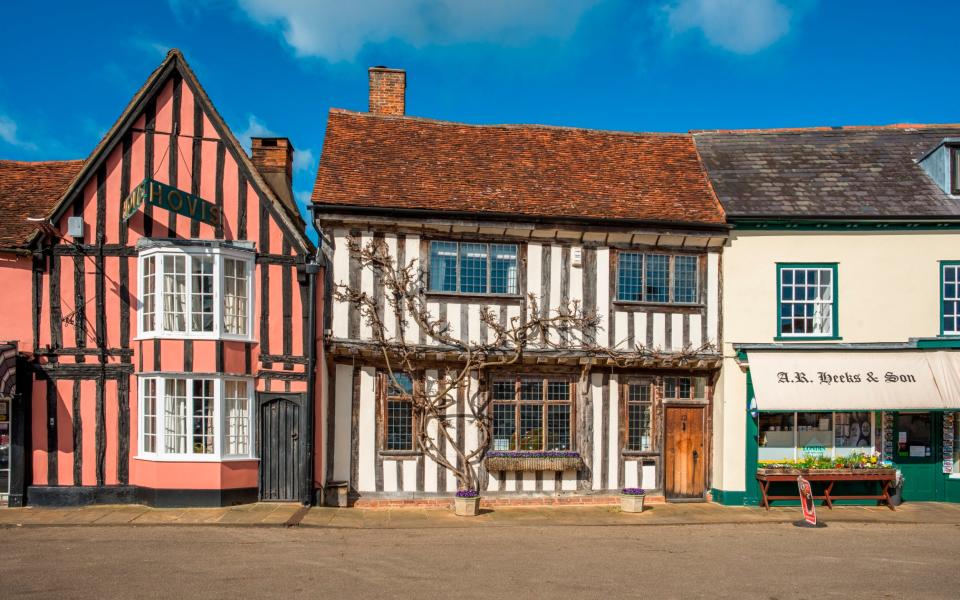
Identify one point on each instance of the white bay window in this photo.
(193, 417)
(196, 292)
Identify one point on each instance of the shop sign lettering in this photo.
(170, 198)
(846, 377)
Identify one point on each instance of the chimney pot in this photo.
(388, 91)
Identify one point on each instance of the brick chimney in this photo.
(273, 158)
(388, 91)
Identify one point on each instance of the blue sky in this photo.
(277, 66)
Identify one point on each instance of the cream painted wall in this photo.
(888, 291)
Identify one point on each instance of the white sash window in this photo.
(188, 292)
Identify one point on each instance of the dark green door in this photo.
(916, 452)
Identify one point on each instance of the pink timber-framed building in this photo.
(166, 348)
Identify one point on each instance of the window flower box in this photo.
(498, 460)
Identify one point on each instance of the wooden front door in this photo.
(280, 448)
(684, 460)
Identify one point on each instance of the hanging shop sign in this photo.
(170, 198)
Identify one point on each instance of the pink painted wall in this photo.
(15, 308)
(16, 274)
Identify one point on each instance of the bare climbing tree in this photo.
(562, 329)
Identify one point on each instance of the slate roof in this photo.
(387, 162)
(30, 189)
(848, 172)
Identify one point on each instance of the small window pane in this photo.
(150, 415)
(776, 436)
(175, 416)
(503, 390)
(685, 279)
(203, 401)
(174, 293)
(531, 426)
(558, 390)
(473, 268)
(399, 425)
(503, 269)
(814, 434)
(558, 427)
(658, 278)
(531, 390)
(630, 276)
(237, 407)
(201, 308)
(504, 427)
(400, 384)
(148, 294)
(638, 434)
(236, 301)
(443, 266)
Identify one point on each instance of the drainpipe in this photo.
(311, 270)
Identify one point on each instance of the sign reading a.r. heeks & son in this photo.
(170, 198)
(855, 379)
(825, 378)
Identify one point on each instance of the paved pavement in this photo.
(278, 515)
(768, 560)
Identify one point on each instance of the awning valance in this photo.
(855, 380)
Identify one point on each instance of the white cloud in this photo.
(255, 128)
(8, 133)
(739, 26)
(337, 30)
(303, 160)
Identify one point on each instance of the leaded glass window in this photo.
(532, 413)
(660, 278)
(398, 409)
(639, 421)
(473, 268)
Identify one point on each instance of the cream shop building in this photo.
(841, 296)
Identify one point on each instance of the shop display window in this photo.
(776, 436)
(789, 436)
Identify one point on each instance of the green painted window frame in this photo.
(942, 264)
(835, 318)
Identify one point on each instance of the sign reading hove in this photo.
(170, 198)
(791, 380)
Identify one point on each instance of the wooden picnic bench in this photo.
(885, 477)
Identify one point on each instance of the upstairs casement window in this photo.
(658, 278)
(196, 293)
(473, 268)
(532, 413)
(195, 418)
(807, 301)
(950, 298)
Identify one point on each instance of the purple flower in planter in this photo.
(633, 492)
(532, 454)
(467, 494)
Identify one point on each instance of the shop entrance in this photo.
(281, 447)
(684, 458)
(917, 453)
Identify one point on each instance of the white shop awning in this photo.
(788, 380)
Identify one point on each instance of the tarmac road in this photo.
(770, 561)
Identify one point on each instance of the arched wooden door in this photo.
(281, 447)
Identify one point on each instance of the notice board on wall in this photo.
(948, 441)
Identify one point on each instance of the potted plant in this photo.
(631, 500)
(467, 503)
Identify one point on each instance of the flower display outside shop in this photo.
(814, 463)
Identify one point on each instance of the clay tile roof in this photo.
(30, 189)
(384, 162)
(828, 172)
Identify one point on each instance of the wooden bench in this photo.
(885, 477)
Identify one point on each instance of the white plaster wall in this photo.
(343, 397)
(366, 430)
